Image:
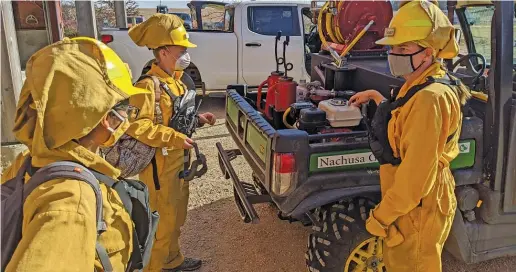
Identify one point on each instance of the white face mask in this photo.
(182, 62)
(401, 64)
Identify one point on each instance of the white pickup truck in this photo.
(235, 42)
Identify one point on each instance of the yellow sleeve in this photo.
(144, 129)
(59, 229)
(424, 135)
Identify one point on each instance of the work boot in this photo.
(189, 264)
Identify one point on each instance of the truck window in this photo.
(268, 20)
(212, 16)
(228, 19)
(307, 21)
(193, 12)
(479, 20)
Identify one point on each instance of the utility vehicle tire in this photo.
(340, 242)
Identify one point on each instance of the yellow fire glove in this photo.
(374, 227)
(390, 233)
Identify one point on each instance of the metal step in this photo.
(245, 193)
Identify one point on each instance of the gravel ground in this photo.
(215, 232)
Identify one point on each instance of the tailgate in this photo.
(250, 131)
(322, 160)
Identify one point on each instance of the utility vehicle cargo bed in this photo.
(323, 171)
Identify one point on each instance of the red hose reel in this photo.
(352, 17)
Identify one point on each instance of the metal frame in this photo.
(502, 87)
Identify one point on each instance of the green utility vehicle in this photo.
(328, 178)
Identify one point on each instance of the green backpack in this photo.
(134, 195)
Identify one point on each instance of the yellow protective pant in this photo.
(175, 257)
(171, 202)
(425, 230)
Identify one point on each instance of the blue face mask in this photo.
(402, 64)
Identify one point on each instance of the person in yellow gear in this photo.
(167, 37)
(72, 102)
(418, 202)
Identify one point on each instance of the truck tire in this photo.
(340, 242)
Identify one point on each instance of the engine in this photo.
(323, 111)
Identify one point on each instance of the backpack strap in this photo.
(168, 91)
(158, 84)
(448, 81)
(399, 102)
(126, 193)
(71, 170)
(67, 170)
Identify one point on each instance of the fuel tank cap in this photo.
(338, 102)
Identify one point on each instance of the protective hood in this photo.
(160, 30)
(423, 22)
(70, 86)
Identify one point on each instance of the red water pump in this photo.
(270, 81)
(285, 89)
(281, 91)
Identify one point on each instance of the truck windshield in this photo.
(479, 20)
(213, 16)
(183, 16)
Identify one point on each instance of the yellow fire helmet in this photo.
(422, 21)
(70, 84)
(160, 30)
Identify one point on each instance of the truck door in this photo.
(258, 39)
(510, 175)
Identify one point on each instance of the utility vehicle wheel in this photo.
(340, 242)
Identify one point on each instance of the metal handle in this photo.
(253, 44)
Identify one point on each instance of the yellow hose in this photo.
(319, 24)
(339, 36)
(329, 26)
(355, 40)
(285, 114)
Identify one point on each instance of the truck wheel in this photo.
(340, 242)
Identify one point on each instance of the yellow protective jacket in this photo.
(64, 97)
(418, 132)
(172, 199)
(418, 198)
(144, 129)
(59, 222)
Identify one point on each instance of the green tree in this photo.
(69, 18)
(104, 14)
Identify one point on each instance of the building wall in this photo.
(7, 95)
(30, 41)
(31, 28)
